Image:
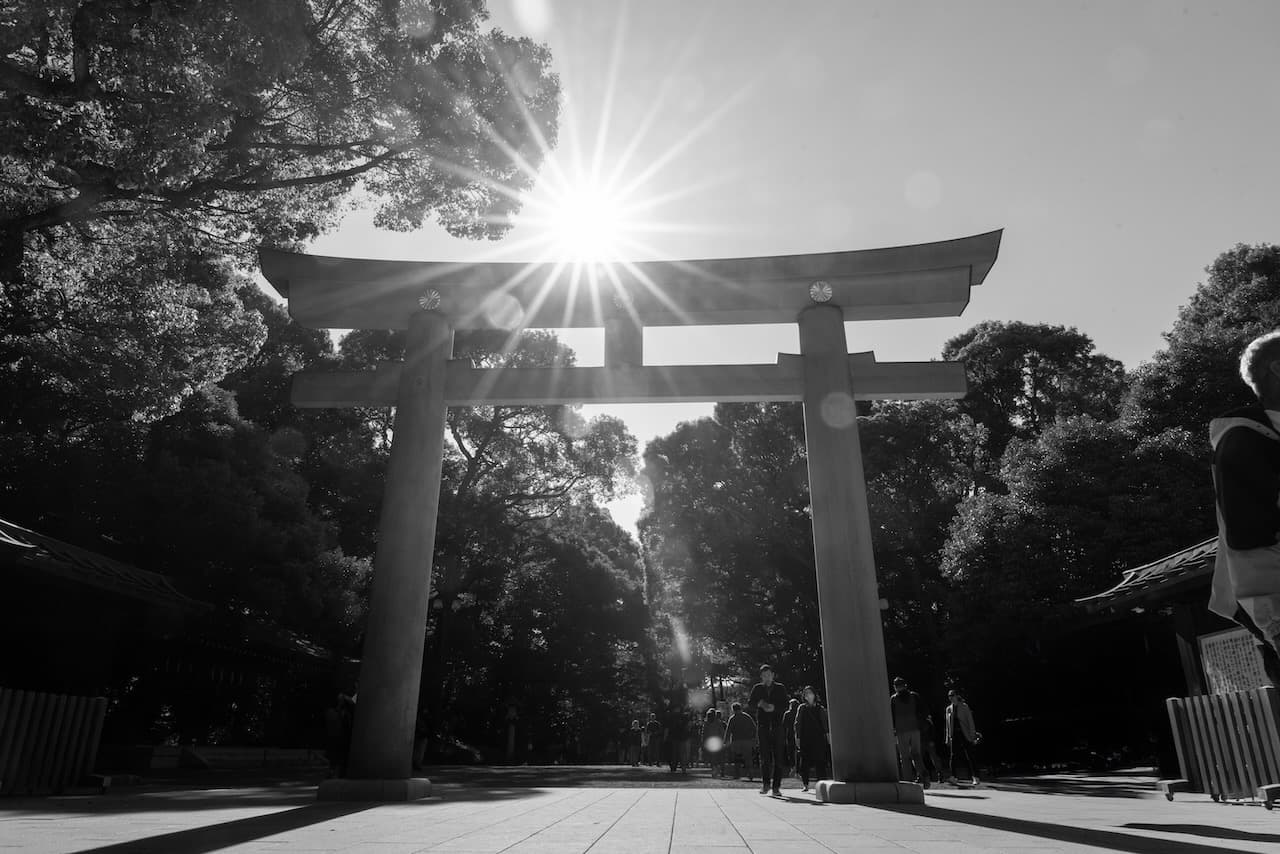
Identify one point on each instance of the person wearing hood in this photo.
(1246, 482)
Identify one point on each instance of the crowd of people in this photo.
(785, 735)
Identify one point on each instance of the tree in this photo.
(920, 460)
(1022, 377)
(563, 637)
(729, 534)
(124, 333)
(1196, 376)
(149, 147)
(508, 471)
(729, 543)
(1086, 500)
(250, 122)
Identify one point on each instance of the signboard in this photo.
(1231, 661)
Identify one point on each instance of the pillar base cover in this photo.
(839, 792)
(388, 791)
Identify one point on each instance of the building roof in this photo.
(22, 547)
(923, 280)
(1159, 579)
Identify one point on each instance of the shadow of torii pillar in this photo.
(820, 291)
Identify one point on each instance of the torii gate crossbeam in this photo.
(819, 292)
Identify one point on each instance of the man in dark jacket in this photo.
(769, 701)
(1246, 480)
(908, 719)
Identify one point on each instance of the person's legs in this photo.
(767, 758)
(969, 749)
(904, 755)
(802, 765)
(932, 764)
(910, 757)
(960, 751)
(779, 753)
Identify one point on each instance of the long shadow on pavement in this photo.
(1101, 788)
(214, 837)
(1064, 833)
(224, 834)
(162, 799)
(1208, 830)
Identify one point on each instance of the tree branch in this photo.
(294, 146)
(302, 181)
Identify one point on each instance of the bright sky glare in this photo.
(1121, 146)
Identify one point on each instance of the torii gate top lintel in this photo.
(922, 280)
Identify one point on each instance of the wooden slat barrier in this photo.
(1228, 744)
(47, 741)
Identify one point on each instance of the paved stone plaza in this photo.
(1067, 814)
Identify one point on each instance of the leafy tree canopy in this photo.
(245, 119)
(144, 142)
(1196, 376)
(1086, 499)
(121, 334)
(1023, 376)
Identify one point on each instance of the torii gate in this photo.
(819, 291)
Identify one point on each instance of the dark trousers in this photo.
(962, 747)
(772, 758)
(811, 760)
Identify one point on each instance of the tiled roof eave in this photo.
(1165, 576)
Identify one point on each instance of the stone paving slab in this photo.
(471, 820)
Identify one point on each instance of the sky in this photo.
(1120, 145)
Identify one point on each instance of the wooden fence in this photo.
(47, 741)
(1228, 744)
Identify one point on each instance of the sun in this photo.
(586, 222)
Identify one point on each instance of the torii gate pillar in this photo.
(848, 601)
(379, 767)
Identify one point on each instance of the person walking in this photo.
(908, 716)
(653, 742)
(634, 739)
(1246, 484)
(769, 701)
(693, 741)
(739, 738)
(812, 736)
(789, 733)
(961, 735)
(713, 742)
(676, 736)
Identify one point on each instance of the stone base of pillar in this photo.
(839, 792)
(386, 791)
